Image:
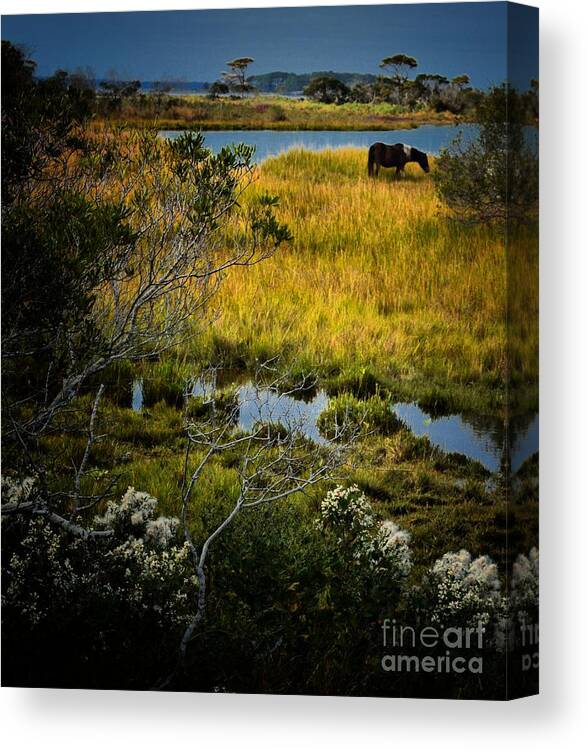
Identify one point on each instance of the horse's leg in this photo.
(377, 168)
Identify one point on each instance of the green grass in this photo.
(266, 112)
(445, 501)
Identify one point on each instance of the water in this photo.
(429, 138)
(481, 440)
(477, 438)
(137, 395)
(266, 405)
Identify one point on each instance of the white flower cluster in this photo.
(139, 566)
(379, 544)
(522, 602)
(348, 508)
(134, 516)
(464, 591)
(391, 542)
(17, 490)
(41, 546)
(154, 579)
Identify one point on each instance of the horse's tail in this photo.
(371, 159)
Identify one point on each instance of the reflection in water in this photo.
(137, 395)
(478, 438)
(262, 405)
(525, 443)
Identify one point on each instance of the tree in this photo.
(494, 178)
(275, 461)
(111, 252)
(236, 77)
(38, 117)
(461, 81)
(396, 89)
(217, 89)
(328, 90)
(115, 90)
(400, 65)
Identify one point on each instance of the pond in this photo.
(478, 438)
(429, 138)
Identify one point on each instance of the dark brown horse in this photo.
(398, 155)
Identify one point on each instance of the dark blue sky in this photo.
(450, 38)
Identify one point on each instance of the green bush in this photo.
(494, 178)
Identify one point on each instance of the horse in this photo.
(398, 155)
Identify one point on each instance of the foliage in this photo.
(373, 413)
(218, 88)
(286, 580)
(327, 90)
(94, 613)
(495, 178)
(37, 118)
(460, 591)
(524, 589)
(236, 78)
(373, 545)
(115, 91)
(400, 64)
(84, 218)
(282, 82)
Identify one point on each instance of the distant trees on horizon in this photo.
(432, 91)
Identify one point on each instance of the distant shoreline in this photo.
(269, 112)
(393, 125)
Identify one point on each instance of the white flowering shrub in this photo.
(461, 591)
(103, 595)
(134, 516)
(521, 605)
(15, 490)
(378, 546)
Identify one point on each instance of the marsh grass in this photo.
(269, 113)
(371, 413)
(387, 299)
(377, 279)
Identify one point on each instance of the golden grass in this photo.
(377, 276)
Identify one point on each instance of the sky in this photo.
(448, 38)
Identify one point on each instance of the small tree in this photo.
(217, 89)
(328, 90)
(400, 65)
(493, 178)
(461, 81)
(236, 77)
(276, 462)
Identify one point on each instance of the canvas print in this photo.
(270, 350)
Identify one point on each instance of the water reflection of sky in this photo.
(477, 438)
(267, 405)
(455, 434)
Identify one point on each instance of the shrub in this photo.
(460, 591)
(96, 612)
(379, 547)
(494, 178)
